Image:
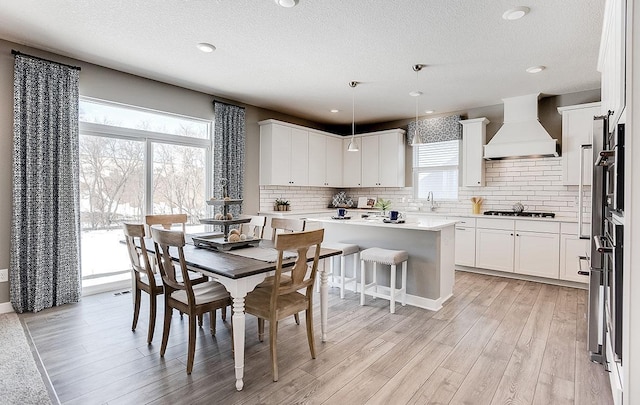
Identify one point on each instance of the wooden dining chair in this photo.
(255, 227)
(167, 221)
(145, 276)
(192, 299)
(274, 304)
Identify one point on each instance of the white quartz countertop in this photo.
(414, 222)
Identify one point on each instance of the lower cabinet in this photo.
(494, 249)
(572, 248)
(537, 254)
(465, 233)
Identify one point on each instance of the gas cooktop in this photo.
(521, 214)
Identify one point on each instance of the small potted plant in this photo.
(281, 205)
(383, 204)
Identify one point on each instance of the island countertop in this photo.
(411, 222)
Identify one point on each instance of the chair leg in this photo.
(342, 270)
(362, 281)
(261, 329)
(273, 335)
(136, 308)
(404, 283)
(192, 344)
(310, 338)
(200, 319)
(297, 318)
(356, 259)
(212, 321)
(153, 304)
(375, 277)
(165, 330)
(223, 313)
(392, 287)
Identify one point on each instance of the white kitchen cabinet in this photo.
(383, 159)
(494, 244)
(611, 60)
(474, 136)
(284, 154)
(465, 233)
(325, 160)
(537, 248)
(577, 130)
(352, 164)
(572, 248)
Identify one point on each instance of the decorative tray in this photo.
(334, 217)
(219, 243)
(389, 221)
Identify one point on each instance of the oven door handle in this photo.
(598, 239)
(581, 233)
(580, 260)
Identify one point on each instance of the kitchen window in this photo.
(435, 169)
(133, 162)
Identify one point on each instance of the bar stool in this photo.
(348, 249)
(388, 257)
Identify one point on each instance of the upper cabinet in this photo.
(284, 154)
(352, 164)
(383, 158)
(577, 131)
(611, 60)
(474, 136)
(325, 160)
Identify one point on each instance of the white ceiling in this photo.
(300, 60)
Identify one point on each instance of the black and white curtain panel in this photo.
(228, 151)
(45, 230)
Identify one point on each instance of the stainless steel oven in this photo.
(614, 237)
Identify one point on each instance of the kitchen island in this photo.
(428, 240)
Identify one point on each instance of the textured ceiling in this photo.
(300, 60)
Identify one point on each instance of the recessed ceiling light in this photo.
(287, 3)
(515, 13)
(429, 112)
(205, 47)
(335, 111)
(535, 69)
(415, 93)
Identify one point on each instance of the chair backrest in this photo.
(283, 225)
(162, 241)
(166, 220)
(255, 227)
(301, 277)
(134, 236)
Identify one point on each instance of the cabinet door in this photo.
(537, 254)
(473, 139)
(613, 83)
(390, 164)
(334, 166)
(571, 248)
(352, 165)
(577, 130)
(317, 159)
(465, 246)
(370, 161)
(494, 249)
(299, 169)
(280, 155)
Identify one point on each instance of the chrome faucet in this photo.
(432, 206)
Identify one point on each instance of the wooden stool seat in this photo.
(387, 257)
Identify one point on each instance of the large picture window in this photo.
(435, 169)
(135, 162)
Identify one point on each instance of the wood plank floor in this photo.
(496, 341)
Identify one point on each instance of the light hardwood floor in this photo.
(497, 341)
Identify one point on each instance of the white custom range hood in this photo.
(521, 135)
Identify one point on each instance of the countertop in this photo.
(412, 222)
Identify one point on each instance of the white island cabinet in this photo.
(429, 242)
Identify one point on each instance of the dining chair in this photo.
(167, 221)
(145, 276)
(192, 299)
(255, 227)
(274, 304)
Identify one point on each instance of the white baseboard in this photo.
(561, 283)
(5, 307)
(100, 288)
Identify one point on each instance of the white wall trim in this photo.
(106, 287)
(6, 307)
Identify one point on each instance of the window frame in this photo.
(417, 170)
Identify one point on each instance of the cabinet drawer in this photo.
(464, 222)
(491, 223)
(538, 226)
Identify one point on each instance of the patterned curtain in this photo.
(436, 129)
(228, 152)
(45, 230)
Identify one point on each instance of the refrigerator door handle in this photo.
(581, 233)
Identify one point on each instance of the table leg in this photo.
(324, 298)
(238, 339)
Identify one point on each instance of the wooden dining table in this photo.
(240, 275)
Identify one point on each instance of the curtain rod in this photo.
(226, 103)
(14, 52)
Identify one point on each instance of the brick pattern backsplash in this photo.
(536, 183)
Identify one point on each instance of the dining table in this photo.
(240, 273)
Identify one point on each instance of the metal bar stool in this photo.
(388, 257)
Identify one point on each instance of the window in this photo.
(134, 162)
(435, 169)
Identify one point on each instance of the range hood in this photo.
(521, 135)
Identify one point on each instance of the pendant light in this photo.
(353, 145)
(416, 138)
